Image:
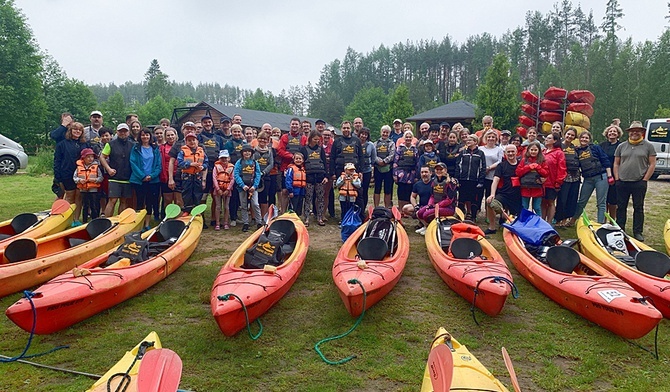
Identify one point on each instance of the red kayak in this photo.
(555, 93)
(259, 273)
(374, 256)
(527, 121)
(581, 107)
(522, 131)
(551, 116)
(529, 97)
(95, 286)
(469, 264)
(581, 96)
(548, 104)
(529, 110)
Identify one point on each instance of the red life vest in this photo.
(347, 189)
(299, 176)
(223, 175)
(88, 174)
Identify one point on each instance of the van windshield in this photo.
(658, 132)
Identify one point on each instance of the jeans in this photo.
(624, 191)
(537, 204)
(567, 201)
(599, 183)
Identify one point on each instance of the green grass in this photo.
(552, 349)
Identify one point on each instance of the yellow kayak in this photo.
(123, 365)
(468, 373)
(37, 225)
(666, 236)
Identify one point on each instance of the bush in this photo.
(42, 163)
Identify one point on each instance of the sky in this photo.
(272, 45)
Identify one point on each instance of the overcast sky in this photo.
(271, 44)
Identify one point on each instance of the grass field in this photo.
(552, 349)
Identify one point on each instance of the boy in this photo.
(193, 164)
(349, 182)
(222, 175)
(247, 174)
(88, 178)
(296, 181)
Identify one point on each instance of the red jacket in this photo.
(555, 160)
(524, 168)
(286, 156)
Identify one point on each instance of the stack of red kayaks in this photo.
(95, 286)
(374, 257)
(572, 108)
(555, 93)
(582, 286)
(259, 288)
(469, 264)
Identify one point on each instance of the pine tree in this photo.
(157, 82)
(400, 105)
(498, 95)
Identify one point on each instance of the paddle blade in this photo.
(459, 214)
(59, 206)
(199, 209)
(441, 368)
(510, 369)
(172, 211)
(160, 371)
(127, 216)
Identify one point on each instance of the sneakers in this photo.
(226, 226)
(217, 228)
(233, 223)
(421, 231)
(639, 237)
(204, 226)
(212, 223)
(307, 221)
(245, 228)
(76, 224)
(259, 225)
(490, 231)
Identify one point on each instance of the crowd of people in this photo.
(306, 169)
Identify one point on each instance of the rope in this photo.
(226, 297)
(125, 377)
(496, 279)
(29, 296)
(644, 300)
(358, 321)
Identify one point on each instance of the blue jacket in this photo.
(237, 174)
(137, 174)
(288, 182)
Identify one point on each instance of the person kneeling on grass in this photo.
(348, 183)
(296, 180)
(443, 196)
(505, 189)
(420, 196)
(247, 176)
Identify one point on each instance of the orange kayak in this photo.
(375, 256)
(586, 288)
(469, 264)
(259, 287)
(27, 262)
(93, 287)
(36, 225)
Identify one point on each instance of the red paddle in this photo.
(160, 371)
(441, 368)
(59, 206)
(510, 369)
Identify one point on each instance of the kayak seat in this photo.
(653, 263)
(20, 250)
(563, 258)
(383, 229)
(75, 242)
(372, 248)
(614, 240)
(4, 236)
(22, 222)
(466, 248)
(171, 229)
(97, 226)
(272, 246)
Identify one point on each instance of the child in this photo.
(532, 172)
(223, 184)
(349, 182)
(429, 157)
(193, 163)
(296, 181)
(247, 174)
(88, 178)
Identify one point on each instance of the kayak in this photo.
(551, 116)
(109, 279)
(37, 225)
(27, 262)
(527, 121)
(666, 236)
(259, 273)
(522, 131)
(555, 93)
(468, 373)
(548, 104)
(581, 96)
(469, 264)
(373, 257)
(623, 264)
(529, 110)
(529, 97)
(582, 286)
(578, 119)
(152, 341)
(581, 107)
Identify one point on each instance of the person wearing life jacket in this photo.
(295, 183)
(264, 155)
(192, 161)
(404, 168)
(247, 174)
(88, 178)
(234, 147)
(368, 157)
(222, 176)
(385, 149)
(289, 144)
(443, 197)
(346, 149)
(429, 157)
(532, 172)
(348, 184)
(315, 169)
(566, 203)
(212, 144)
(471, 173)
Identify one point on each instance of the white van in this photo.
(657, 134)
(12, 156)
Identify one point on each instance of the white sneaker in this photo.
(418, 231)
(422, 231)
(233, 223)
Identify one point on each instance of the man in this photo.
(91, 132)
(320, 125)
(115, 158)
(329, 198)
(397, 130)
(224, 132)
(634, 164)
(358, 125)
(444, 130)
(212, 144)
(421, 191)
(198, 127)
(306, 127)
(505, 189)
(346, 149)
(424, 130)
(505, 135)
(237, 119)
(487, 123)
(130, 118)
(289, 144)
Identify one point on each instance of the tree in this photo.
(370, 104)
(613, 13)
(662, 112)
(156, 82)
(327, 105)
(457, 96)
(399, 105)
(22, 104)
(498, 95)
(114, 110)
(152, 111)
(260, 100)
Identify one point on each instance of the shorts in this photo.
(550, 194)
(511, 203)
(611, 195)
(120, 190)
(404, 191)
(385, 179)
(68, 184)
(165, 189)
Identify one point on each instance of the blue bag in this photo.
(530, 228)
(350, 222)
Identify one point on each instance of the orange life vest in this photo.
(299, 176)
(223, 175)
(347, 189)
(88, 174)
(199, 157)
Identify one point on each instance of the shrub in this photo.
(42, 163)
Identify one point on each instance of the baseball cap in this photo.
(224, 154)
(225, 118)
(445, 124)
(349, 166)
(247, 147)
(189, 124)
(442, 165)
(319, 121)
(96, 113)
(397, 120)
(505, 132)
(206, 117)
(122, 126)
(427, 141)
(190, 134)
(86, 151)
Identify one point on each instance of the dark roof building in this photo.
(250, 118)
(457, 111)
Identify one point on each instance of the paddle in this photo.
(269, 216)
(160, 371)
(510, 369)
(441, 368)
(439, 226)
(58, 207)
(171, 211)
(587, 221)
(630, 240)
(195, 211)
(459, 213)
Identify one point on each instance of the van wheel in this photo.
(655, 176)
(8, 165)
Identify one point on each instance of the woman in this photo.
(145, 165)
(450, 152)
(385, 148)
(470, 173)
(135, 127)
(404, 167)
(566, 203)
(494, 155)
(517, 140)
(463, 135)
(555, 159)
(263, 154)
(68, 152)
(369, 153)
(557, 127)
(532, 172)
(505, 187)
(612, 135)
(170, 195)
(315, 171)
(595, 167)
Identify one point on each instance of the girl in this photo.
(531, 136)
(470, 173)
(88, 178)
(429, 157)
(135, 127)
(296, 182)
(145, 163)
(264, 155)
(566, 203)
(349, 182)
(170, 195)
(315, 170)
(404, 167)
(247, 174)
(222, 174)
(532, 172)
(555, 159)
(68, 151)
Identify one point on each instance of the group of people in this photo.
(245, 170)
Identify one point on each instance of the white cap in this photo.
(224, 154)
(93, 113)
(122, 126)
